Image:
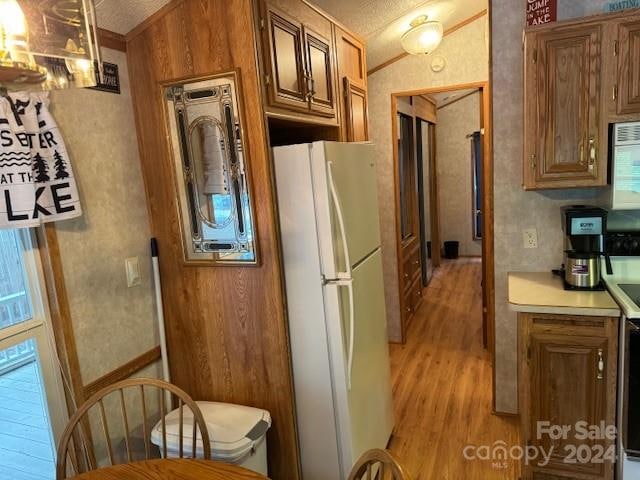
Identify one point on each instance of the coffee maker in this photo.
(584, 228)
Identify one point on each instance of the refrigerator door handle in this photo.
(352, 327)
(343, 234)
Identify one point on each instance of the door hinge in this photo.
(616, 47)
(534, 159)
(535, 55)
(262, 24)
(267, 79)
(615, 92)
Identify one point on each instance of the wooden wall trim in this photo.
(60, 311)
(113, 40)
(123, 372)
(448, 31)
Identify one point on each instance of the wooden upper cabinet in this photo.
(298, 58)
(628, 88)
(352, 75)
(355, 119)
(320, 73)
(563, 122)
(286, 83)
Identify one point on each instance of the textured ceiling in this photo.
(122, 16)
(382, 22)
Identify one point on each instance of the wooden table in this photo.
(171, 469)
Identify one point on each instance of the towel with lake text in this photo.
(36, 180)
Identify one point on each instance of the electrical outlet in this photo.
(132, 267)
(530, 238)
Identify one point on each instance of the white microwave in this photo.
(625, 169)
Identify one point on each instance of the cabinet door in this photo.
(320, 73)
(568, 384)
(563, 104)
(356, 116)
(629, 68)
(352, 72)
(287, 85)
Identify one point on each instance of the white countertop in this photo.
(543, 292)
(625, 270)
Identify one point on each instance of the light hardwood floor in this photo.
(442, 384)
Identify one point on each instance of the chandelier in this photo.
(48, 44)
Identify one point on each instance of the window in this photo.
(31, 394)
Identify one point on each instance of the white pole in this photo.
(160, 314)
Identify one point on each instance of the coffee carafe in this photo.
(584, 228)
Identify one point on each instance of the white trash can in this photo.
(237, 434)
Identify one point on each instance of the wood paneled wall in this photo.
(226, 326)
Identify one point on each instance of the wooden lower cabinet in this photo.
(568, 374)
(411, 281)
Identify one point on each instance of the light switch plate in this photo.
(132, 267)
(530, 238)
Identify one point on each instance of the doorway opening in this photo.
(443, 371)
(444, 191)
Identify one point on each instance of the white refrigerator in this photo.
(328, 211)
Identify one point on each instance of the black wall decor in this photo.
(110, 79)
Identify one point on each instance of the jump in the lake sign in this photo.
(541, 11)
(36, 180)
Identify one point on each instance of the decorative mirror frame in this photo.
(221, 94)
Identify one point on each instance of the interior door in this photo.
(629, 68)
(319, 73)
(567, 387)
(568, 69)
(352, 168)
(370, 401)
(32, 408)
(284, 50)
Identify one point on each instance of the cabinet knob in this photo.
(600, 364)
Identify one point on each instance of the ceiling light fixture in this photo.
(423, 37)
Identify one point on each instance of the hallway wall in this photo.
(455, 173)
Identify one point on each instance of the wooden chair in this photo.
(77, 432)
(386, 465)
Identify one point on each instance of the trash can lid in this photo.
(234, 430)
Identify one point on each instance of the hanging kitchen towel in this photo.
(36, 180)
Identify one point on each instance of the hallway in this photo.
(442, 384)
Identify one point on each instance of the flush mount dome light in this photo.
(423, 37)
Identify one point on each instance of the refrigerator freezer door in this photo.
(365, 411)
(345, 183)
